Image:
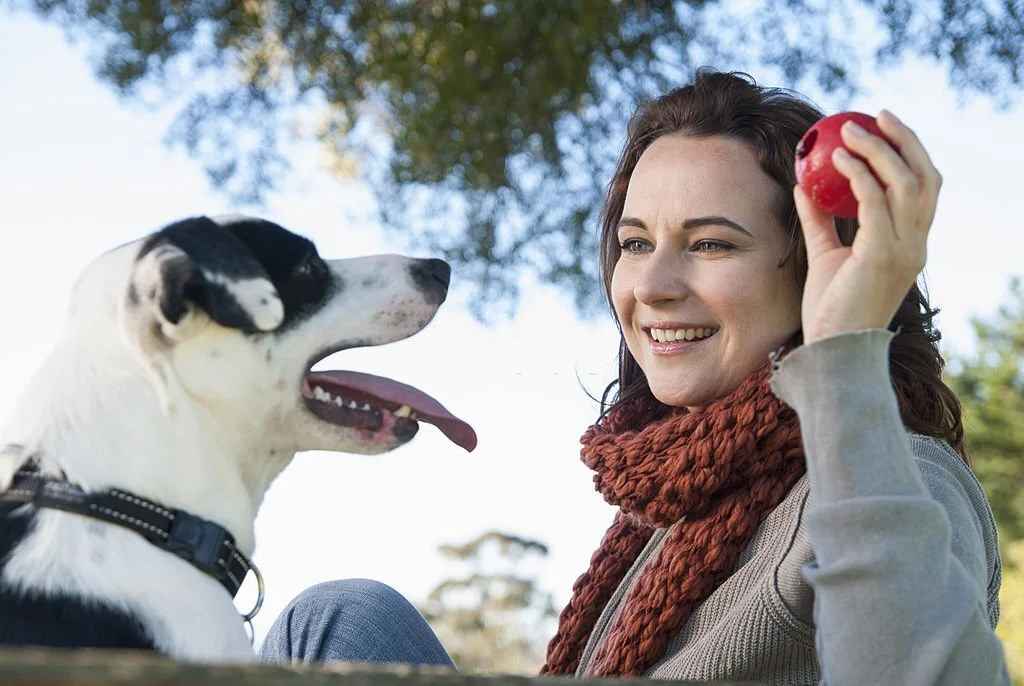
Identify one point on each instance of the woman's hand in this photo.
(862, 286)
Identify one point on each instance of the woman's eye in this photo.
(634, 245)
(711, 246)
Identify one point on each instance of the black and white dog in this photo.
(135, 462)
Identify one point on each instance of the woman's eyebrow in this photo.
(631, 221)
(688, 224)
(720, 221)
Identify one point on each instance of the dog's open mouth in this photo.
(365, 401)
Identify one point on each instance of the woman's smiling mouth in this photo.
(671, 339)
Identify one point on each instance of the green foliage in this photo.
(1011, 619)
(991, 388)
(488, 127)
(495, 618)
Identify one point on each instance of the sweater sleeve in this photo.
(903, 556)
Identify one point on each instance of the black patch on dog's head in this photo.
(301, 277)
(235, 251)
(182, 282)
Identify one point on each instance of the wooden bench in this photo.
(95, 668)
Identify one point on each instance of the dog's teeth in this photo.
(325, 397)
(403, 411)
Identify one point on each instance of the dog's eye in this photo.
(311, 267)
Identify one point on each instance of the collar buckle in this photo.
(198, 541)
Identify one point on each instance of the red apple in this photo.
(827, 188)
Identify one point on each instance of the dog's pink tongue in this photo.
(394, 392)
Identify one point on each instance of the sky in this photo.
(82, 171)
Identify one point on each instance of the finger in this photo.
(904, 139)
(916, 157)
(872, 201)
(900, 184)
(819, 231)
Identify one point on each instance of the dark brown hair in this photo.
(771, 121)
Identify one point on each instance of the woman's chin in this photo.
(693, 400)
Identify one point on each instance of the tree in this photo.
(991, 387)
(488, 127)
(1011, 619)
(494, 619)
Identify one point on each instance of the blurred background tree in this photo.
(991, 386)
(494, 618)
(488, 127)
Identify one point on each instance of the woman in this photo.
(795, 504)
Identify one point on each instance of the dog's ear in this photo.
(197, 263)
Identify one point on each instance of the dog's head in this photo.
(230, 315)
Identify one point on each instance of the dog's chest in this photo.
(184, 612)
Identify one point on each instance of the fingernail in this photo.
(855, 129)
(841, 153)
(893, 116)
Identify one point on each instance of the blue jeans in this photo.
(353, 620)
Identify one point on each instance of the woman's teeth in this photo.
(670, 335)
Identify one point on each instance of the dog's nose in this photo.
(432, 278)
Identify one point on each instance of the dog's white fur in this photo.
(192, 415)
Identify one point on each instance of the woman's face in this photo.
(697, 289)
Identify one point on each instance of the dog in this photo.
(135, 461)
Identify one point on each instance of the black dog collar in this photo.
(207, 546)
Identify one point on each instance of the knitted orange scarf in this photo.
(724, 469)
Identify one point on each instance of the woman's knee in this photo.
(354, 620)
(347, 594)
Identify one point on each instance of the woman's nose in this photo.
(661, 278)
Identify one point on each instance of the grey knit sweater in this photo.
(880, 566)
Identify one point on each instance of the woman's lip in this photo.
(647, 326)
(668, 347)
